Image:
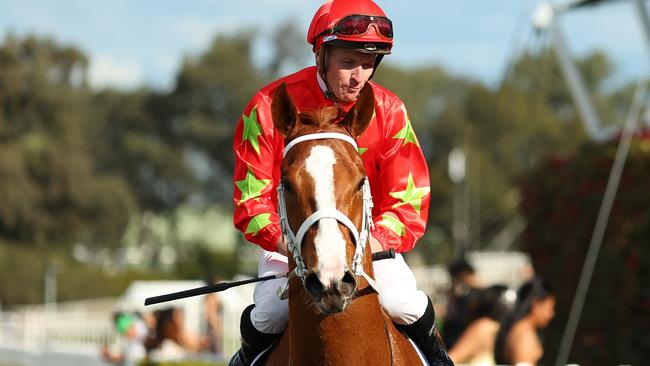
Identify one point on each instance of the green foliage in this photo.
(202, 110)
(561, 201)
(49, 188)
(138, 147)
(22, 270)
(207, 264)
(289, 51)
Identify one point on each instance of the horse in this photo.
(325, 207)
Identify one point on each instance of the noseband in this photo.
(294, 241)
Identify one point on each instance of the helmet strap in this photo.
(322, 69)
(377, 61)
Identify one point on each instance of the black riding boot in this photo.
(423, 332)
(253, 342)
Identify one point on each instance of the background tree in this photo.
(50, 191)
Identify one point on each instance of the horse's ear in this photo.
(359, 116)
(283, 111)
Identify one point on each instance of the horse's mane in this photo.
(319, 118)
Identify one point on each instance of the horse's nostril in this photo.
(348, 284)
(313, 285)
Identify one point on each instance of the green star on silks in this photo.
(362, 150)
(252, 129)
(393, 224)
(258, 223)
(251, 187)
(412, 195)
(407, 133)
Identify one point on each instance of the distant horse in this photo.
(325, 209)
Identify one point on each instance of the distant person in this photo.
(171, 341)
(462, 300)
(476, 344)
(462, 273)
(213, 309)
(134, 330)
(518, 342)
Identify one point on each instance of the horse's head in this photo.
(322, 193)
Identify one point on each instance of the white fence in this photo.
(82, 327)
(508, 268)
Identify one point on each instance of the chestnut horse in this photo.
(325, 209)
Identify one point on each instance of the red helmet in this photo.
(359, 24)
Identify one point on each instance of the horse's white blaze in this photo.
(329, 242)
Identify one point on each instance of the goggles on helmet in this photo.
(356, 25)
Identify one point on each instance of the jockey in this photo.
(349, 40)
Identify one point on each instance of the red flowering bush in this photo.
(561, 200)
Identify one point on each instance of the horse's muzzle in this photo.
(333, 298)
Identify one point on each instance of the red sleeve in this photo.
(256, 174)
(402, 205)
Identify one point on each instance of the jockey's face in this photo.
(347, 72)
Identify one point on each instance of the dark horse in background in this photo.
(334, 313)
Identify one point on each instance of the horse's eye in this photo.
(361, 183)
(287, 186)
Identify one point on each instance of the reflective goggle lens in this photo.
(359, 24)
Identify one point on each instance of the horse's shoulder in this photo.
(402, 349)
(279, 355)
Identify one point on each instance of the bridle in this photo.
(294, 240)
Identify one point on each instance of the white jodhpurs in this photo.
(395, 283)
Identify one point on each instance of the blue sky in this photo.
(144, 41)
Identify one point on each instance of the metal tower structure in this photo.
(547, 19)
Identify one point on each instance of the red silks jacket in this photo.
(396, 168)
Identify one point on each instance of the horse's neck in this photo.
(357, 334)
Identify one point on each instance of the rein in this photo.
(294, 240)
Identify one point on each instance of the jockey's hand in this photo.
(375, 245)
(282, 246)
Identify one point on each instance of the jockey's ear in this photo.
(283, 111)
(358, 118)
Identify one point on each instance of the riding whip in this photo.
(218, 287)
